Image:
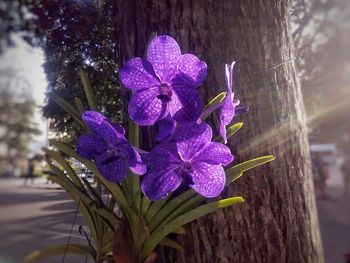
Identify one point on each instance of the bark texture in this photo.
(278, 222)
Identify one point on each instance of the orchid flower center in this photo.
(112, 155)
(165, 92)
(185, 169)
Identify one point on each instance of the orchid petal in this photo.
(191, 137)
(208, 180)
(163, 53)
(138, 74)
(145, 108)
(157, 184)
(99, 124)
(135, 162)
(191, 71)
(166, 128)
(185, 105)
(111, 167)
(89, 145)
(215, 153)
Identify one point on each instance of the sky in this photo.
(28, 61)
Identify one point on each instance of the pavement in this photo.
(39, 215)
(334, 218)
(33, 217)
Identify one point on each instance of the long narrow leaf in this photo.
(83, 202)
(132, 180)
(68, 108)
(236, 171)
(157, 216)
(230, 131)
(183, 208)
(179, 221)
(171, 243)
(88, 89)
(77, 249)
(114, 189)
(79, 106)
(70, 171)
(212, 105)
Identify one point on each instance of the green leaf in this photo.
(70, 171)
(113, 189)
(230, 131)
(79, 105)
(212, 104)
(181, 220)
(68, 108)
(58, 250)
(88, 89)
(146, 203)
(161, 212)
(155, 207)
(180, 231)
(171, 243)
(82, 200)
(184, 207)
(236, 171)
(132, 180)
(216, 100)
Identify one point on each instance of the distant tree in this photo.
(323, 60)
(73, 35)
(16, 117)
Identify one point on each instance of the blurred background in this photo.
(43, 44)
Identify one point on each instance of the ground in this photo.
(33, 217)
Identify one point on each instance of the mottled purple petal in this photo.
(145, 108)
(118, 128)
(113, 168)
(138, 74)
(157, 184)
(89, 145)
(135, 162)
(185, 105)
(165, 156)
(166, 128)
(208, 180)
(191, 137)
(214, 153)
(191, 72)
(102, 127)
(146, 158)
(163, 53)
(227, 110)
(227, 113)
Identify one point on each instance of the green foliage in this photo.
(149, 223)
(17, 127)
(74, 35)
(60, 249)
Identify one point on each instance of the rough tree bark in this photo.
(278, 222)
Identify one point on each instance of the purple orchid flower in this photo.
(228, 109)
(189, 156)
(108, 147)
(165, 83)
(166, 128)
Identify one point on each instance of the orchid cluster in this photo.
(141, 212)
(165, 93)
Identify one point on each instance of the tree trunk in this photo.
(278, 222)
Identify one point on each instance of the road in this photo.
(33, 217)
(334, 217)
